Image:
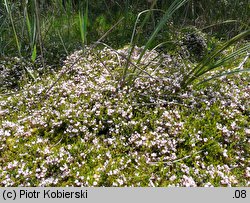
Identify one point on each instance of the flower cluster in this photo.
(89, 129)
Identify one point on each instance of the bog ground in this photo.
(161, 99)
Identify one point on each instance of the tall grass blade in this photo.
(33, 56)
(143, 23)
(229, 57)
(225, 74)
(28, 24)
(170, 11)
(206, 64)
(32, 35)
(65, 49)
(39, 33)
(81, 27)
(83, 21)
(6, 4)
(134, 40)
(219, 50)
(225, 22)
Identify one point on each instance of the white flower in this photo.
(247, 131)
(188, 181)
(172, 178)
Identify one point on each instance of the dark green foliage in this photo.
(61, 16)
(195, 44)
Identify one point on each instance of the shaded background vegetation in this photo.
(54, 26)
